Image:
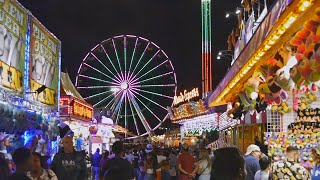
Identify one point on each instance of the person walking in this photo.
(186, 164)
(263, 174)
(38, 171)
(315, 155)
(289, 168)
(69, 164)
(96, 158)
(103, 161)
(23, 161)
(117, 167)
(149, 166)
(228, 164)
(173, 162)
(204, 165)
(252, 160)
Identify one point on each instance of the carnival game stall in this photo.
(278, 73)
(29, 82)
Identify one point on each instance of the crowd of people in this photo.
(155, 163)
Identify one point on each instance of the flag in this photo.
(233, 38)
(229, 42)
(246, 5)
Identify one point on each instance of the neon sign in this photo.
(82, 110)
(186, 96)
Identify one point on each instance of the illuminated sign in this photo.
(75, 108)
(82, 110)
(44, 62)
(186, 96)
(13, 30)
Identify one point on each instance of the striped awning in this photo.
(254, 118)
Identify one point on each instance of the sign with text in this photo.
(44, 63)
(186, 96)
(13, 30)
(82, 110)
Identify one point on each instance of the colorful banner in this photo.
(13, 30)
(258, 37)
(44, 63)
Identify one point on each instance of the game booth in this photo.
(276, 80)
(29, 82)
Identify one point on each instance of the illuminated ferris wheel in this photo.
(133, 78)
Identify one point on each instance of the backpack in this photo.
(114, 172)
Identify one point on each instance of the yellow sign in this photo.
(47, 96)
(82, 110)
(186, 96)
(44, 60)
(13, 30)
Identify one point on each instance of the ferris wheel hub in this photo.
(124, 86)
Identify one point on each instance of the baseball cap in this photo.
(149, 148)
(252, 148)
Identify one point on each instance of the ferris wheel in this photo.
(132, 77)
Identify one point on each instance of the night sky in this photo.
(175, 25)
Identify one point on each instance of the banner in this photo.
(44, 63)
(13, 30)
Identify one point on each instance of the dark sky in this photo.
(175, 25)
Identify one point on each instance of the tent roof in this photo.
(67, 87)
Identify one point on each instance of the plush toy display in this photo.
(304, 134)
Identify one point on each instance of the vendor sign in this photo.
(44, 63)
(13, 30)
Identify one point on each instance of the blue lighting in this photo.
(27, 62)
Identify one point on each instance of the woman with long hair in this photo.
(315, 155)
(204, 165)
(38, 171)
(228, 164)
(150, 166)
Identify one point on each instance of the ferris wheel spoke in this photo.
(153, 85)
(140, 115)
(125, 55)
(144, 51)
(105, 66)
(114, 67)
(133, 53)
(97, 79)
(134, 118)
(146, 64)
(112, 100)
(125, 113)
(96, 95)
(101, 72)
(151, 70)
(95, 87)
(155, 77)
(151, 92)
(116, 52)
(149, 99)
(119, 107)
(104, 99)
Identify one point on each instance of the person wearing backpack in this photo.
(117, 168)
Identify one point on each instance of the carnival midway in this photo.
(128, 114)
